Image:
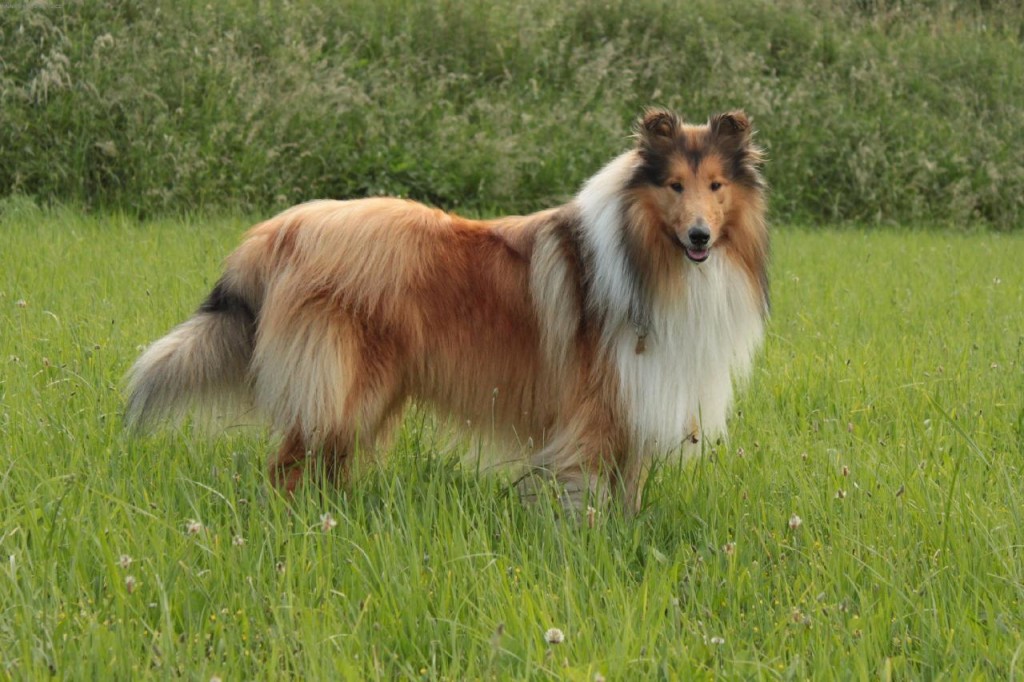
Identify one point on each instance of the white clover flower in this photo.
(327, 522)
(554, 636)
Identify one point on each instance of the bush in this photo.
(871, 111)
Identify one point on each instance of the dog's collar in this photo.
(641, 336)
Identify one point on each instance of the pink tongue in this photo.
(697, 255)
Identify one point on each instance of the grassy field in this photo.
(885, 412)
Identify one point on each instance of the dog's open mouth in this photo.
(697, 255)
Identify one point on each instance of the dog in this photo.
(591, 338)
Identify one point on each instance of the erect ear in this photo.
(657, 126)
(733, 126)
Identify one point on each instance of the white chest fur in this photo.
(681, 385)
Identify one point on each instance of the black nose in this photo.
(699, 236)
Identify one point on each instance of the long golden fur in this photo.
(593, 336)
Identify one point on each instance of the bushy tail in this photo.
(203, 362)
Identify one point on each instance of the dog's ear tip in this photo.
(657, 122)
(730, 122)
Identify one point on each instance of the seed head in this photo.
(129, 583)
(795, 522)
(193, 527)
(554, 636)
(125, 561)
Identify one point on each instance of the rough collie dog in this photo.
(595, 336)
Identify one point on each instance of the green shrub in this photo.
(874, 111)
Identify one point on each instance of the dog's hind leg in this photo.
(327, 459)
(370, 402)
(286, 467)
(330, 458)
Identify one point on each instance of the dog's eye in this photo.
(677, 187)
(715, 186)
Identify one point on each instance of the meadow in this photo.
(863, 521)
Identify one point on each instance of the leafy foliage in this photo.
(871, 111)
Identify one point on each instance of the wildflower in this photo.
(21, 303)
(846, 470)
(129, 583)
(740, 452)
(279, 567)
(327, 522)
(803, 456)
(125, 561)
(840, 494)
(104, 41)
(729, 548)
(718, 641)
(795, 522)
(193, 527)
(554, 636)
(238, 541)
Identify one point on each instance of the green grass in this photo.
(875, 111)
(895, 355)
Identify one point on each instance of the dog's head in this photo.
(693, 179)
